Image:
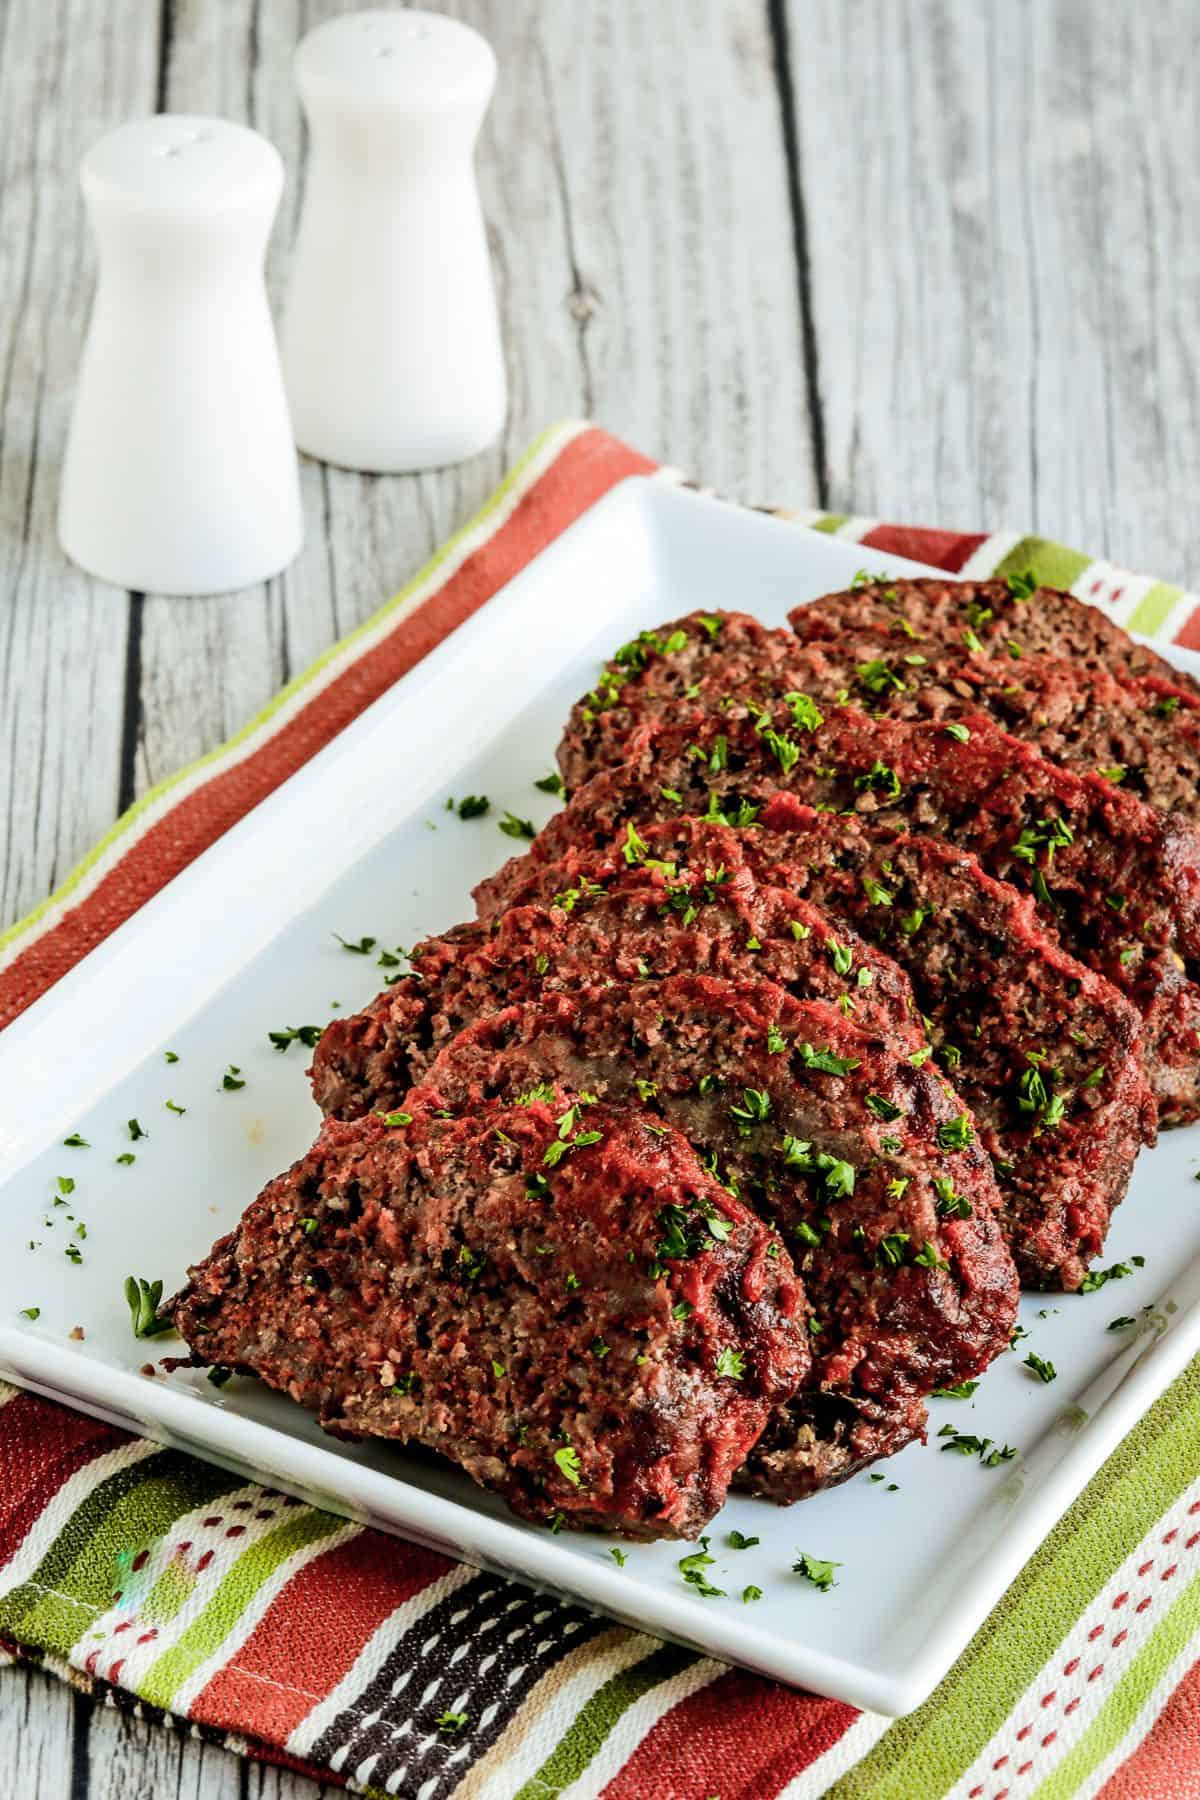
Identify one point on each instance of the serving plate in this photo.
(359, 844)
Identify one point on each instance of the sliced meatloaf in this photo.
(1117, 881)
(1044, 1051)
(870, 1168)
(599, 1336)
(998, 615)
(1129, 731)
(648, 920)
(662, 673)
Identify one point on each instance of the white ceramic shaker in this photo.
(181, 474)
(391, 343)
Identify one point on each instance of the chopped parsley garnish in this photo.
(308, 1035)
(363, 947)
(514, 827)
(912, 922)
(66, 1184)
(1121, 1324)
(309, 1226)
(737, 1541)
(806, 714)
(776, 1042)
(948, 1204)
(75, 1142)
(471, 806)
(232, 1079)
(751, 1593)
(877, 677)
(1022, 586)
(1097, 1278)
(126, 1158)
(841, 956)
(1166, 707)
(889, 1252)
(394, 1119)
(635, 846)
(471, 1262)
(754, 1109)
(1045, 1371)
(1115, 772)
(451, 1721)
(963, 1443)
(875, 891)
(955, 1134)
(731, 1364)
(880, 779)
(30, 1312)
(826, 1062)
(838, 1175)
(961, 1391)
(569, 1468)
(956, 731)
(785, 750)
(170, 1056)
(142, 1298)
(883, 1108)
(928, 1257)
(692, 1568)
(813, 1569)
(172, 1107)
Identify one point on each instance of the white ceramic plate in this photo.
(243, 942)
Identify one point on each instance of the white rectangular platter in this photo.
(359, 843)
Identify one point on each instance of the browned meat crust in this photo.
(1134, 731)
(600, 1339)
(1118, 882)
(1040, 621)
(715, 917)
(870, 1167)
(660, 674)
(1045, 1052)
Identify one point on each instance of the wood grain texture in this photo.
(1004, 267)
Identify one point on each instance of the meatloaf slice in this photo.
(600, 1339)
(647, 920)
(1133, 731)
(870, 1168)
(660, 673)
(1118, 882)
(994, 614)
(1045, 1052)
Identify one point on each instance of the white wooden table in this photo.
(934, 262)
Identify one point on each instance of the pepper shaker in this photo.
(181, 474)
(391, 343)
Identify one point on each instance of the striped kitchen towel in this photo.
(190, 1597)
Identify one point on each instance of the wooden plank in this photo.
(998, 202)
(67, 73)
(635, 284)
(38, 1735)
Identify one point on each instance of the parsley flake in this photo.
(142, 1298)
(815, 1570)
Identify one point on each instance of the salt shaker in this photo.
(391, 343)
(181, 474)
